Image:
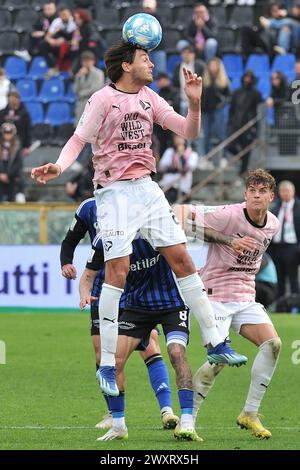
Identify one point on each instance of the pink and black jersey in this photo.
(119, 126)
(227, 276)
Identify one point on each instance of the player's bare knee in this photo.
(116, 273)
(183, 265)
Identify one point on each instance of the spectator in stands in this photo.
(41, 27)
(243, 108)
(157, 57)
(266, 282)
(86, 37)
(177, 165)
(87, 81)
(189, 61)
(171, 95)
(216, 93)
(5, 87)
(286, 24)
(279, 94)
(11, 165)
(17, 113)
(201, 32)
(285, 247)
(57, 40)
(81, 186)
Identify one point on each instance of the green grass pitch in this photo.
(50, 399)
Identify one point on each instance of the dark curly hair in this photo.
(115, 56)
(260, 176)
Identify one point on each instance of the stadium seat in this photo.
(107, 18)
(36, 112)
(129, 11)
(165, 12)
(5, 20)
(15, 68)
(241, 16)
(16, 4)
(227, 41)
(182, 16)
(233, 64)
(172, 61)
(171, 38)
(112, 37)
(52, 90)
(264, 86)
(38, 68)
(58, 113)
(44, 133)
(219, 12)
(27, 89)
(9, 42)
(259, 64)
(25, 20)
(63, 133)
(235, 83)
(70, 95)
(285, 64)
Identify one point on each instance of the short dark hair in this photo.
(88, 55)
(260, 176)
(115, 56)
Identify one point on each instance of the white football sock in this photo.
(119, 422)
(108, 317)
(262, 371)
(195, 296)
(203, 382)
(187, 421)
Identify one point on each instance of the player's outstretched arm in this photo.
(193, 89)
(46, 172)
(85, 287)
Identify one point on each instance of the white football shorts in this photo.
(126, 207)
(235, 314)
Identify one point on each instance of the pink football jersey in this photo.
(119, 126)
(228, 276)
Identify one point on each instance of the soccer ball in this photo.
(142, 30)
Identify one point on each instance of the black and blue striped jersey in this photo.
(150, 283)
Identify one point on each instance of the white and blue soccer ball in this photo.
(142, 30)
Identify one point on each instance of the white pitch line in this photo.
(64, 428)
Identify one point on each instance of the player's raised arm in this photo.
(68, 155)
(189, 126)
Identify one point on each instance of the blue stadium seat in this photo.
(70, 95)
(264, 86)
(38, 68)
(285, 64)
(15, 68)
(235, 83)
(52, 90)
(36, 112)
(58, 113)
(172, 61)
(259, 64)
(27, 89)
(233, 64)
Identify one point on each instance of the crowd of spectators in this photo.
(72, 38)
